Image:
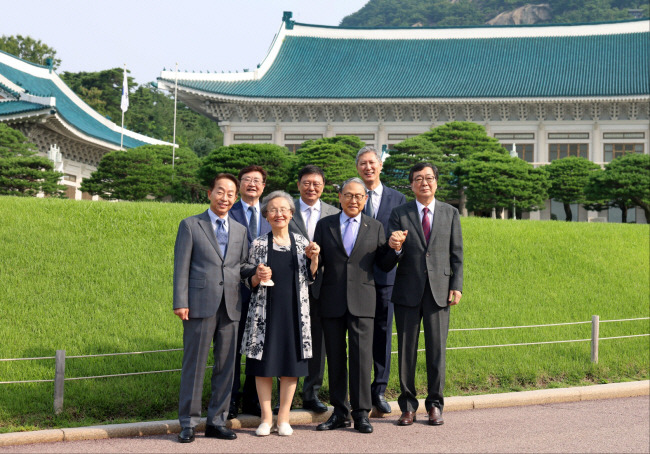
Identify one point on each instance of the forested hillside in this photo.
(450, 13)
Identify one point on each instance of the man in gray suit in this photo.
(209, 262)
(427, 236)
(351, 243)
(309, 209)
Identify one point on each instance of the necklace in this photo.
(286, 242)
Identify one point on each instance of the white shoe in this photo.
(263, 430)
(284, 429)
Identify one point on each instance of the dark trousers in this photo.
(312, 382)
(359, 332)
(198, 333)
(248, 395)
(435, 321)
(382, 339)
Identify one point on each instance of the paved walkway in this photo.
(587, 419)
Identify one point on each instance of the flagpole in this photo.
(174, 134)
(124, 104)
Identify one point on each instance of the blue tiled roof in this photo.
(65, 106)
(515, 67)
(16, 107)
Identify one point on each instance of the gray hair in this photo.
(368, 149)
(275, 195)
(352, 180)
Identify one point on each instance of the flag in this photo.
(124, 105)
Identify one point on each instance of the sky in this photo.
(147, 36)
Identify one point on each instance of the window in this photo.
(525, 151)
(558, 213)
(513, 136)
(303, 136)
(616, 215)
(293, 147)
(564, 150)
(253, 137)
(69, 177)
(616, 150)
(400, 137)
(624, 135)
(568, 135)
(363, 137)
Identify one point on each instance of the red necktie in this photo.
(426, 225)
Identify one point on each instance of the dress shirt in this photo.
(431, 207)
(315, 216)
(375, 199)
(213, 221)
(355, 225)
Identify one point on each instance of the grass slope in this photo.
(96, 277)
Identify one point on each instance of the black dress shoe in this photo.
(233, 412)
(335, 422)
(221, 432)
(314, 405)
(252, 408)
(363, 425)
(379, 401)
(186, 435)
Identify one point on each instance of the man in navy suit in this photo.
(246, 211)
(381, 201)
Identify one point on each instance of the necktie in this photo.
(252, 223)
(222, 236)
(426, 225)
(311, 223)
(370, 210)
(348, 236)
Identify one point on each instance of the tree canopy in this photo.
(146, 173)
(568, 178)
(623, 184)
(21, 172)
(29, 49)
(276, 160)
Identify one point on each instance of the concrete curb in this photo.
(544, 396)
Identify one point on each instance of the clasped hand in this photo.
(397, 238)
(263, 272)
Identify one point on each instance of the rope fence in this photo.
(60, 357)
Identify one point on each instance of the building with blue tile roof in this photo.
(34, 100)
(551, 90)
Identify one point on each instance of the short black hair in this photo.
(421, 166)
(311, 169)
(227, 176)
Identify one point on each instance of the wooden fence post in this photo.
(59, 377)
(595, 331)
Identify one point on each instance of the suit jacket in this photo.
(348, 282)
(202, 277)
(238, 214)
(440, 261)
(297, 225)
(390, 198)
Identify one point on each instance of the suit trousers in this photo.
(382, 339)
(198, 333)
(435, 321)
(249, 394)
(359, 331)
(312, 382)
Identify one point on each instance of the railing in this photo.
(60, 357)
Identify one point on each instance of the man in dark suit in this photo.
(309, 209)
(351, 243)
(381, 201)
(209, 262)
(247, 212)
(427, 235)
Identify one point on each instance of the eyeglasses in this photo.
(309, 183)
(276, 211)
(255, 181)
(357, 197)
(429, 180)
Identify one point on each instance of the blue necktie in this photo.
(222, 236)
(370, 209)
(348, 236)
(252, 223)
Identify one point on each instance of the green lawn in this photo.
(96, 277)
